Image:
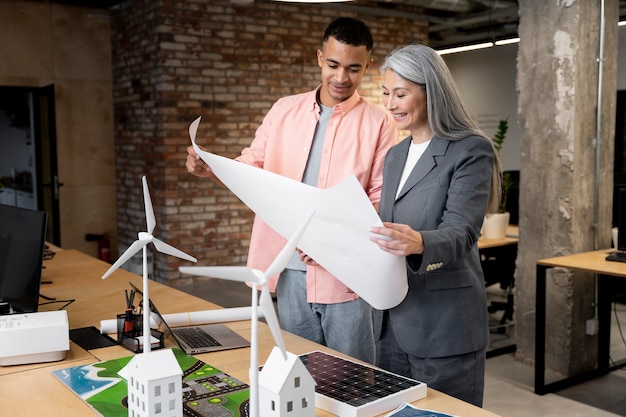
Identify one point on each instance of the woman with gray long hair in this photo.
(438, 183)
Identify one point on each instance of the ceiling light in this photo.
(313, 1)
(465, 48)
(490, 44)
(506, 41)
(478, 46)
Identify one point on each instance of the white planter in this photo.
(494, 226)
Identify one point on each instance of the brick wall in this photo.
(176, 60)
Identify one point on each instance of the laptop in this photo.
(199, 338)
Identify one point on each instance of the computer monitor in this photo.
(22, 240)
(621, 220)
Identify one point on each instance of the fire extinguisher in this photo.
(104, 249)
(104, 245)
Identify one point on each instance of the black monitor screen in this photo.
(22, 239)
(621, 219)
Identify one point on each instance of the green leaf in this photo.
(498, 139)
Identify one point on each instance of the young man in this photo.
(320, 138)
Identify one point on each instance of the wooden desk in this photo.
(34, 391)
(511, 238)
(593, 262)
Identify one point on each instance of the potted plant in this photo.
(495, 224)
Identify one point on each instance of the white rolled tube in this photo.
(191, 318)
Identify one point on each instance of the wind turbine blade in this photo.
(267, 306)
(147, 201)
(171, 250)
(279, 263)
(132, 249)
(231, 273)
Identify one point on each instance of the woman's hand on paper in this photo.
(398, 239)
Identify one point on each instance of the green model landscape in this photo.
(206, 390)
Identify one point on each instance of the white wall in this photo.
(486, 81)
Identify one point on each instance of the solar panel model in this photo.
(350, 389)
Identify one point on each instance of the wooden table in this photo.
(32, 390)
(594, 262)
(511, 238)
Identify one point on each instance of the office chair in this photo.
(498, 263)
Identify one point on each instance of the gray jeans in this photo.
(345, 327)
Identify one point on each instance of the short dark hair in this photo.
(351, 32)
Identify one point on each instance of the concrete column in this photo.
(558, 78)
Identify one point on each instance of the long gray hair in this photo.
(447, 116)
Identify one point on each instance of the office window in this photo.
(296, 382)
(305, 403)
(172, 405)
(157, 391)
(273, 406)
(172, 388)
(157, 408)
(289, 406)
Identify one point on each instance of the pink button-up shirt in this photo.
(357, 139)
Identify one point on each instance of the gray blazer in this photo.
(444, 198)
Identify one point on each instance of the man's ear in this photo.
(370, 62)
(320, 56)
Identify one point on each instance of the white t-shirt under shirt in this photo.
(416, 150)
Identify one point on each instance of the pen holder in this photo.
(130, 333)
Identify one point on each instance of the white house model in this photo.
(154, 385)
(286, 388)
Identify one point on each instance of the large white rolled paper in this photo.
(338, 236)
(208, 316)
(219, 315)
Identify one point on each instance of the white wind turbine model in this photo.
(142, 242)
(256, 278)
